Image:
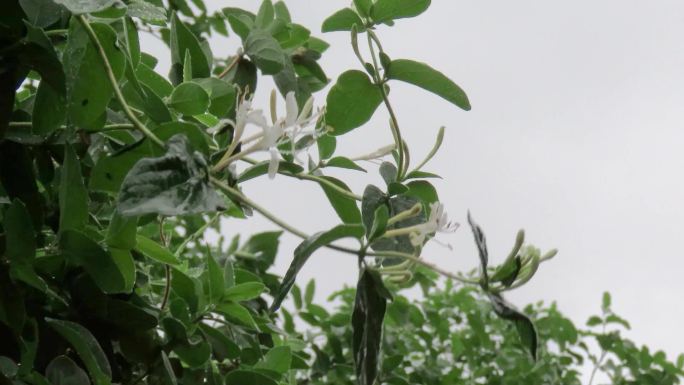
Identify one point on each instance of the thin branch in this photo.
(230, 66)
(196, 234)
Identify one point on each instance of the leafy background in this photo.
(574, 134)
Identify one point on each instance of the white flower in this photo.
(243, 116)
(295, 121)
(269, 142)
(437, 222)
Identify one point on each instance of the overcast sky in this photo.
(576, 134)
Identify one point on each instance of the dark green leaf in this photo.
(49, 110)
(189, 99)
(215, 284)
(113, 272)
(367, 318)
(73, 196)
(243, 377)
(363, 7)
(524, 326)
(384, 11)
(20, 246)
(344, 205)
(326, 146)
(342, 20)
(84, 68)
(174, 184)
(304, 251)
(85, 344)
(351, 102)
(261, 168)
(424, 76)
(379, 223)
(63, 371)
(481, 243)
(508, 272)
(238, 313)
(41, 13)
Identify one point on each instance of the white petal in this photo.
(291, 108)
(273, 164)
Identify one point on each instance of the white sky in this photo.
(576, 135)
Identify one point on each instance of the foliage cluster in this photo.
(110, 174)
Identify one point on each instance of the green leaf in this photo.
(49, 110)
(508, 272)
(221, 95)
(363, 7)
(182, 39)
(116, 11)
(370, 305)
(326, 146)
(20, 247)
(188, 288)
(121, 232)
(427, 78)
(238, 313)
(78, 7)
(244, 291)
(342, 20)
(265, 15)
(379, 223)
(421, 175)
(265, 52)
(41, 13)
(84, 68)
(63, 371)
(342, 162)
(423, 190)
(153, 250)
(306, 249)
(189, 99)
(147, 12)
(278, 359)
(344, 206)
(261, 168)
(309, 292)
(73, 196)
(243, 377)
(111, 271)
(216, 284)
(605, 302)
(85, 344)
(223, 347)
(384, 11)
(173, 184)
(524, 326)
(351, 102)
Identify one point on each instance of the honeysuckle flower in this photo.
(377, 154)
(269, 142)
(295, 121)
(244, 115)
(437, 222)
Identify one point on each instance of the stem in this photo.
(230, 66)
(196, 234)
(418, 260)
(394, 124)
(167, 268)
(227, 159)
(107, 127)
(115, 84)
(56, 32)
